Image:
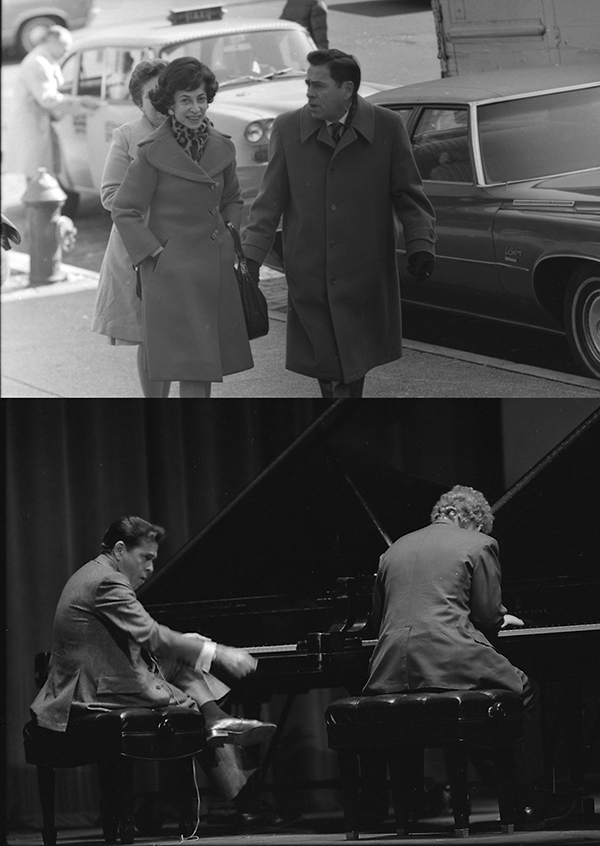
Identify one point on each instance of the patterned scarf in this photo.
(193, 141)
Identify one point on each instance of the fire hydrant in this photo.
(44, 199)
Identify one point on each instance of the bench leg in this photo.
(406, 766)
(115, 775)
(47, 788)
(349, 775)
(456, 764)
(507, 794)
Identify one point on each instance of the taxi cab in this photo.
(260, 64)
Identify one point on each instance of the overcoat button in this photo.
(333, 207)
(332, 280)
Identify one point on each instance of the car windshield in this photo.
(248, 55)
(540, 136)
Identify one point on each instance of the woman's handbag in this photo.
(253, 299)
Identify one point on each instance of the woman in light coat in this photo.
(171, 211)
(118, 310)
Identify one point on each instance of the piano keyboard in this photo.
(369, 643)
(542, 630)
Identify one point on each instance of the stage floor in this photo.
(329, 830)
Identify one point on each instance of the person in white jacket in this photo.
(38, 101)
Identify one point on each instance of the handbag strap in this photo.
(237, 241)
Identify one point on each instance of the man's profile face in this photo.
(59, 46)
(326, 100)
(136, 564)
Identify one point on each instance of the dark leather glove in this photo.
(421, 265)
(254, 268)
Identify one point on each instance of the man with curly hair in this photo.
(437, 600)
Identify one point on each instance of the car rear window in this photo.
(540, 136)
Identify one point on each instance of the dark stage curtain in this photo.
(73, 466)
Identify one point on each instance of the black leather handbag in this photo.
(253, 300)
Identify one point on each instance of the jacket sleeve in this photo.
(42, 84)
(376, 614)
(115, 167)
(130, 204)
(231, 199)
(411, 204)
(487, 610)
(116, 602)
(270, 202)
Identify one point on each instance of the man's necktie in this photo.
(336, 130)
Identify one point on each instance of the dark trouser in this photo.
(528, 759)
(331, 390)
(529, 752)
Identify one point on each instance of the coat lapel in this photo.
(164, 153)
(363, 123)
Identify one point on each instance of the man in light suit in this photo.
(436, 600)
(108, 652)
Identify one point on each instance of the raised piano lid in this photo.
(548, 528)
(264, 569)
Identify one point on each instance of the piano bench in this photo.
(112, 740)
(403, 725)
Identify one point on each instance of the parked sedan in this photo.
(24, 22)
(260, 64)
(511, 163)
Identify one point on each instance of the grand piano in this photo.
(287, 568)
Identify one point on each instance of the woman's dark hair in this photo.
(184, 74)
(142, 73)
(342, 66)
(133, 531)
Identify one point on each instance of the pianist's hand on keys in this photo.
(511, 620)
(237, 662)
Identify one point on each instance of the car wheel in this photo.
(32, 31)
(582, 318)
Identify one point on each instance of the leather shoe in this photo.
(261, 815)
(238, 732)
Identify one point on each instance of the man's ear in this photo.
(348, 89)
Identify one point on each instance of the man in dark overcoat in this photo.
(437, 602)
(341, 174)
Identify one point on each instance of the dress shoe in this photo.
(261, 815)
(238, 732)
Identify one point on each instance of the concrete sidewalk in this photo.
(49, 350)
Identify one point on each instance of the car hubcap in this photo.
(590, 314)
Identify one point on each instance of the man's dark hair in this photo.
(342, 66)
(133, 531)
(183, 74)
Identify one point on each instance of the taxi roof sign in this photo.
(194, 14)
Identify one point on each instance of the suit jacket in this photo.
(340, 206)
(100, 632)
(437, 590)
